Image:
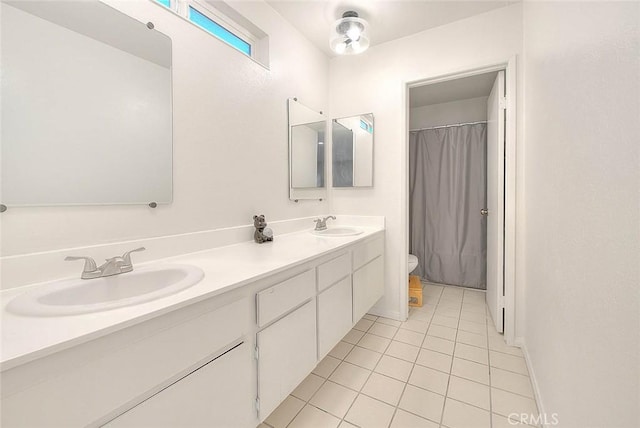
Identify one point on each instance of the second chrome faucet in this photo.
(113, 266)
(321, 223)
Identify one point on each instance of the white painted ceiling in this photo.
(388, 19)
(453, 90)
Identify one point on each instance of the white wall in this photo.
(375, 82)
(582, 109)
(461, 111)
(230, 140)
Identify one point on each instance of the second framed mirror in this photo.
(352, 151)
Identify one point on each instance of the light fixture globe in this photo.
(349, 35)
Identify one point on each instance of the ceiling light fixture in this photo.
(349, 35)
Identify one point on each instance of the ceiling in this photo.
(388, 19)
(452, 90)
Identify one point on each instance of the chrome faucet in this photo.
(321, 223)
(113, 266)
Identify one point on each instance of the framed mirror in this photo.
(307, 132)
(352, 151)
(86, 106)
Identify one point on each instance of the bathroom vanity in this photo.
(224, 352)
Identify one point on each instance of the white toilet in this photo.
(413, 263)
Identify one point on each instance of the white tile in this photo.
(364, 324)
(508, 362)
(383, 388)
(374, 343)
(308, 387)
(345, 424)
(461, 415)
(333, 398)
(370, 317)
(393, 367)
(472, 353)
(350, 376)
(420, 315)
(326, 366)
(452, 291)
(470, 370)
(512, 382)
(426, 378)
(444, 321)
(341, 350)
(285, 412)
(455, 304)
(403, 351)
(415, 325)
(474, 308)
(311, 417)
(473, 327)
(404, 419)
(389, 321)
(505, 403)
(499, 421)
(469, 392)
(442, 332)
(448, 312)
(496, 343)
(363, 357)
(353, 336)
(471, 339)
(411, 337)
(383, 330)
(435, 360)
(422, 403)
(474, 317)
(438, 344)
(368, 412)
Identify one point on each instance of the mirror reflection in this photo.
(307, 155)
(86, 106)
(307, 132)
(352, 148)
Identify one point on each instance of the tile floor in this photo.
(446, 366)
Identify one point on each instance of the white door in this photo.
(496, 106)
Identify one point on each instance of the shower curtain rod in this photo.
(448, 126)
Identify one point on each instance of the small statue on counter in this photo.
(262, 233)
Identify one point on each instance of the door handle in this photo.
(484, 211)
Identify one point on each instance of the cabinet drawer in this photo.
(281, 298)
(116, 379)
(334, 270)
(367, 252)
(218, 394)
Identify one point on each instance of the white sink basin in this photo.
(79, 296)
(338, 231)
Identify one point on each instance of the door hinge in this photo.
(503, 103)
(257, 353)
(258, 404)
(501, 301)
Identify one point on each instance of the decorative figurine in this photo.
(262, 233)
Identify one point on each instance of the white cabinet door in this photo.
(286, 355)
(334, 315)
(368, 287)
(216, 395)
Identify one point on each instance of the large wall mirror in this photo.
(86, 106)
(352, 148)
(307, 132)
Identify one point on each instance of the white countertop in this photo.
(226, 268)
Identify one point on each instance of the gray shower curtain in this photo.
(447, 190)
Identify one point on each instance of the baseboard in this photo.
(534, 383)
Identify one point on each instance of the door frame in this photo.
(509, 67)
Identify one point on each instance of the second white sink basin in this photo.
(338, 231)
(78, 296)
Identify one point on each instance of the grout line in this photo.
(446, 394)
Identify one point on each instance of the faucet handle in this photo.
(89, 263)
(127, 256)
